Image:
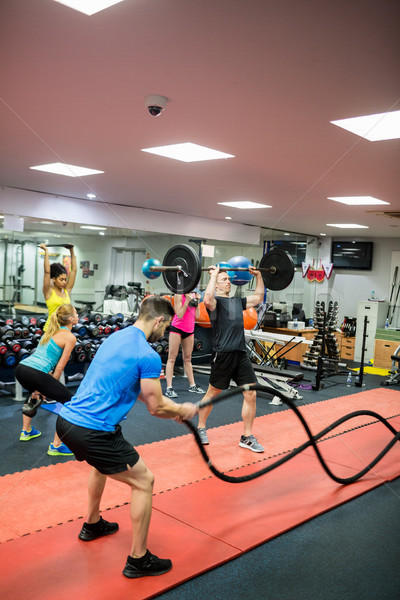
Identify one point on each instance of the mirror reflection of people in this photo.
(57, 284)
(40, 373)
(181, 333)
(124, 369)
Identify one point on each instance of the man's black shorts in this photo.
(234, 365)
(107, 451)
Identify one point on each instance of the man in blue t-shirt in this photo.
(124, 369)
(230, 359)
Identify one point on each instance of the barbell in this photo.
(181, 269)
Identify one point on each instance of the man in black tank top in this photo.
(230, 358)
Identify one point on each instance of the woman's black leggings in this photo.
(35, 380)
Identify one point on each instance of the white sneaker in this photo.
(196, 389)
(170, 393)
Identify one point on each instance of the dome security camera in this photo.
(155, 104)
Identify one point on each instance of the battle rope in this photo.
(312, 438)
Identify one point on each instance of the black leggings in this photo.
(35, 380)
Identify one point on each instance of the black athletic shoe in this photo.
(149, 564)
(91, 531)
(31, 405)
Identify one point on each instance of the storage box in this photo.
(300, 325)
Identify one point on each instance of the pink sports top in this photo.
(185, 324)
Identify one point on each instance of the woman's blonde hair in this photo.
(58, 319)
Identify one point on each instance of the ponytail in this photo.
(58, 319)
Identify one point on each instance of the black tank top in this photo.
(227, 324)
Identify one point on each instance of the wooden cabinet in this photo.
(383, 351)
(347, 348)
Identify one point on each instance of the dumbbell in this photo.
(22, 354)
(27, 345)
(80, 329)
(165, 345)
(35, 339)
(124, 324)
(86, 345)
(79, 356)
(23, 331)
(13, 346)
(93, 329)
(78, 347)
(41, 322)
(157, 347)
(17, 330)
(7, 332)
(106, 328)
(95, 318)
(33, 329)
(9, 359)
(90, 353)
(198, 344)
(115, 319)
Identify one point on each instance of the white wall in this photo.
(350, 287)
(345, 287)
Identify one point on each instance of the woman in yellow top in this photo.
(57, 285)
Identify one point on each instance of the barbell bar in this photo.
(181, 269)
(164, 268)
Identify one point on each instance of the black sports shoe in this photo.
(91, 531)
(31, 405)
(149, 564)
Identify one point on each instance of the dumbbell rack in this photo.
(20, 337)
(323, 354)
(324, 343)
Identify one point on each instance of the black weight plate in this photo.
(283, 263)
(182, 282)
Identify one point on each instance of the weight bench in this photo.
(395, 371)
(90, 304)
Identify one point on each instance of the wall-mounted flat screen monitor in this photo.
(348, 254)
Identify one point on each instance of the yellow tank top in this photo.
(53, 303)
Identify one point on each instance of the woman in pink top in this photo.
(182, 333)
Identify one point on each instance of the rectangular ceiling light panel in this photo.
(188, 152)
(383, 126)
(64, 169)
(245, 204)
(357, 200)
(89, 7)
(347, 226)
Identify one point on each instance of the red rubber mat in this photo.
(60, 490)
(198, 526)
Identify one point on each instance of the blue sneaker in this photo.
(29, 435)
(61, 450)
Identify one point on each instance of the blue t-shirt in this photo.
(112, 382)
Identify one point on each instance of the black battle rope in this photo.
(312, 438)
